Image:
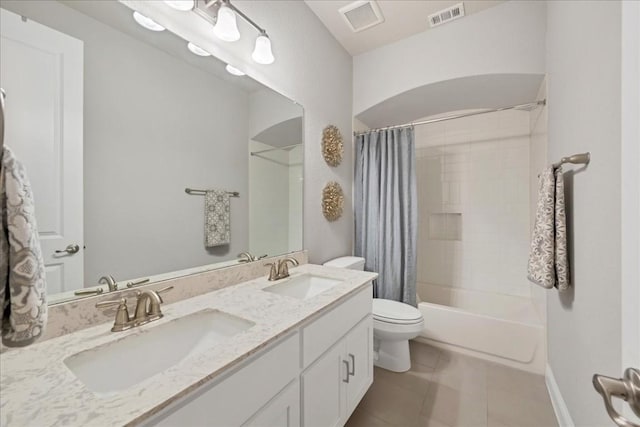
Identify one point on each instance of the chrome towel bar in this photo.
(195, 192)
(576, 159)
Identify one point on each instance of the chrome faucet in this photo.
(110, 282)
(280, 270)
(147, 309)
(248, 257)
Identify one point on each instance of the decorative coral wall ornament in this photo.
(332, 146)
(332, 201)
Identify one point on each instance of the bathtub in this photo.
(496, 327)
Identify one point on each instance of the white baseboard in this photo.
(559, 407)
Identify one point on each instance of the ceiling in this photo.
(403, 18)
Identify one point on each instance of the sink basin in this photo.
(303, 287)
(123, 363)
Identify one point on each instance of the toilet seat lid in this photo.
(395, 312)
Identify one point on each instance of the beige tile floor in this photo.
(445, 389)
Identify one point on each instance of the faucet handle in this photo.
(262, 256)
(110, 303)
(273, 273)
(139, 282)
(163, 290)
(122, 321)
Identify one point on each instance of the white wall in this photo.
(477, 167)
(268, 209)
(584, 87)
(296, 192)
(508, 38)
(275, 177)
(152, 126)
(537, 162)
(268, 108)
(310, 68)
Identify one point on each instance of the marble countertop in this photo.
(37, 388)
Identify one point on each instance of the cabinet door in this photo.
(282, 411)
(322, 389)
(359, 354)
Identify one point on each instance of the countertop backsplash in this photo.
(72, 316)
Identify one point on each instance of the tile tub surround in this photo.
(37, 388)
(72, 316)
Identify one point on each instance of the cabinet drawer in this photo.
(232, 400)
(330, 327)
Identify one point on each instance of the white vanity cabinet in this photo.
(315, 376)
(282, 411)
(248, 391)
(333, 385)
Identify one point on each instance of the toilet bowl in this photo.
(394, 324)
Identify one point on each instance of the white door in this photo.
(630, 220)
(41, 71)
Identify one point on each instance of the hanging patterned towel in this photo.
(548, 263)
(22, 273)
(217, 223)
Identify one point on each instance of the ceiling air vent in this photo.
(446, 15)
(361, 15)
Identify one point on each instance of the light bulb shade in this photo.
(197, 50)
(262, 52)
(147, 23)
(226, 27)
(233, 70)
(183, 5)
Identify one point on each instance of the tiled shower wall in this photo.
(538, 161)
(473, 201)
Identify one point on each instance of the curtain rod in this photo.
(253, 153)
(529, 106)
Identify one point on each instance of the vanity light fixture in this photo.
(197, 50)
(225, 28)
(182, 5)
(262, 51)
(233, 70)
(147, 23)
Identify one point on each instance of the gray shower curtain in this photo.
(386, 211)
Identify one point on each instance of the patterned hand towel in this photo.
(548, 263)
(22, 274)
(217, 226)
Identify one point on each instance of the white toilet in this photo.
(394, 324)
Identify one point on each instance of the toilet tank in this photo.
(350, 262)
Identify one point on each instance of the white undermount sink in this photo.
(123, 363)
(302, 287)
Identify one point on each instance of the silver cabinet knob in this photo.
(71, 249)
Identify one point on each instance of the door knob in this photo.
(71, 249)
(626, 388)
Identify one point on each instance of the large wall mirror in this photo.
(113, 123)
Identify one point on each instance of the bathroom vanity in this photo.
(298, 351)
